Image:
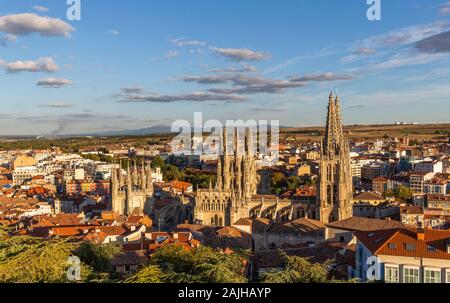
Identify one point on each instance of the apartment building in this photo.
(417, 181)
(403, 256)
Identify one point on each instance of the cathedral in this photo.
(236, 183)
(133, 193)
(241, 190)
(335, 192)
(237, 193)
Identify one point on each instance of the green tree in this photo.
(403, 192)
(278, 183)
(200, 179)
(158, 162)
(174, 264)
(4, 232)
(148, 274)
(98, 256)
(298, 270)
(29, 260)
(293, 182)
(172, 172)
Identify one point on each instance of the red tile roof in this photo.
(430, 243)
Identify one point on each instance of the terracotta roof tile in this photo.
(430, 243)
(365, 224)
(369, 196)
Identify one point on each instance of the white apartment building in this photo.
(22, 174)
(428, 167)
(374, 170)
(403, 256)
(417, 181)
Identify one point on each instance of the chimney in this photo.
(420, 234)
(142, 240)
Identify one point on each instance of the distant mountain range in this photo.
(157, 129)
(160, 129)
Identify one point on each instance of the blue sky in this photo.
(137, 63)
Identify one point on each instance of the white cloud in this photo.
(319, 77)
(358, 54)
(180, 42)
(407, 35)
(57, 105)
(139, 96)
(246, 68)
(325, 52)
(53, 82)
(24, 24)
(40, 8)
(45, 64)
(407, 59)
(170, 55)
(439, 43)
(445, 9)
(241, 54)
(6, 39)
(114, 32)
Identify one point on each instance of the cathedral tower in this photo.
(236, 182)
(335, 192)
(133, 193)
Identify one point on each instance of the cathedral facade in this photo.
(335, 191)
(236, 196)
(131, 193)
(240, 191)
(231, 197)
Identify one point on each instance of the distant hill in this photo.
(163, 129)
(160, 129)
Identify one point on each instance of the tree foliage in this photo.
(298, 270)
(26, 259)
(148, 274)
(98, 256)
(30, 260)
(401, 192)
(174, 264)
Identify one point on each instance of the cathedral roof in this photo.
(369, 196)
(244, 222)
(364, 224)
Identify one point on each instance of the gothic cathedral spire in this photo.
(335, 190)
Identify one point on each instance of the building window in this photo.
(411, 275)
(447, 274)
(410, 247)
(432, 275)
(391, 274)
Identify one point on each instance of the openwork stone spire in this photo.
(334, 141)
(335, 188)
